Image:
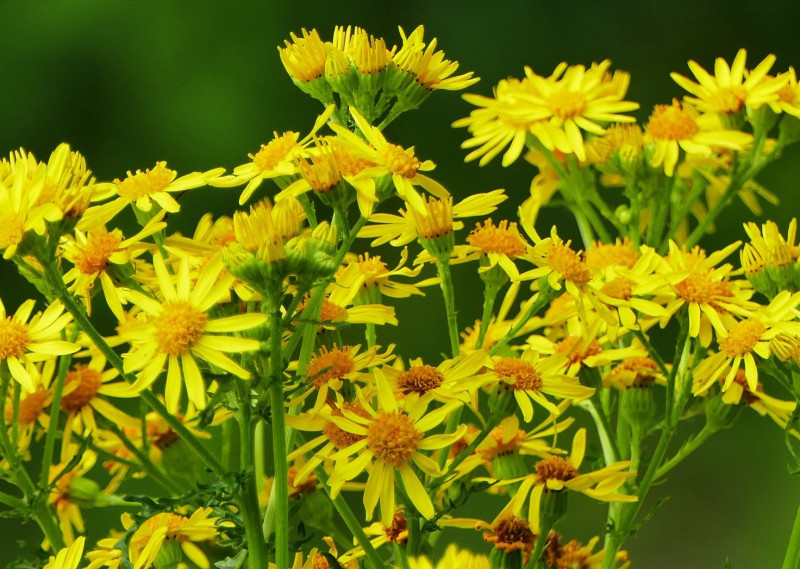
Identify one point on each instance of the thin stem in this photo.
(490, 292)
(542, 299)
(603, 431)
(688, 448)
(280, 486)
(793, 550)
(443, 267)
(55, 410)
(147, 465)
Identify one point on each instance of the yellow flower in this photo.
(554, 109)
(23, 342)
(142, 189)
(378, 278)
(752, 335)
(21, 209)
(453, 557)
(556, 474)
(390, 160)
(733, 87)
(574, 555)
(61, 494)
(393, 436)
(436, 222)
(531, 377)
(273, 160)
(676, 126)
(304, 58)
(430, 69)
(179, 330)
(32, 410)
(69, 557)
(94, 254)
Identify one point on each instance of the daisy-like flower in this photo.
(573, 554)
(94, 254)
(179, 330)
(21, 208)
(556, 474)
(163, 530)
(31, 414)
(142, 189)
(69, 557)
(61, 494)
(555, 259)
(789, 95)
(275, 159)
(750, 336)
(453, 557)
(304, 58)
(437, 221)
(676, 126)
(390, 160)
(23, 342)
(707, 290)
(555, 109)
(428, 67)
(85, 389)
(733, 87)
(379, 279)
(532, 376)
(393, 436)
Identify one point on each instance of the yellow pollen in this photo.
(327, 365)
(93, 256)
(564, 260)
(30, 407)
(523, 374)
(603, 255)
(329, 311)
(274, 151)
(571, 347)
(338, 436)
(392, 438)
(620, 288)
(89, 381)
(13, 338)
(743, 337)
(373, 269)
(321, 563)
(419, 379)
(503, 238)
(671, 122)
(566, 104)
(700, 288)
(12, 230)
(511, 533)
(349, 165)
(178, 326)
(555, 468)
(145, 183)
(400, 160)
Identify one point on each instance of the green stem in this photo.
(52, 428)
(147, 465)
(793, 550)
(490, 292)
(543, 298)
(443, 267)
(688, 448)
(247, 499)
(280, 487)
(603, 431)
(12, 502)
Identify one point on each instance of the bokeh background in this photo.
(200, 84)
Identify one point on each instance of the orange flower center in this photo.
(89, 381)
(178, 326)
(13, 338)
(609, 254)
(501, 447)
(439, 219)
(274, 151)
(329, 311)
(145, 183)
(520, 374)
(511, 533)
(338, 436)
(419, 379)
(93, 256)
(571, 347)
(642, 371)
(564, 260)
(322, 173)
(398, 531)
(742, 338)
(671, 122)
(566, 104)
(392, 438)
(30, 407)
(327, 365)
(349, 165)
(620, 288)
(503, 239)
(12, 230)
(700, 288)
(400, 160)
(555, 468)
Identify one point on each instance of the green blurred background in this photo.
(200, 84)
